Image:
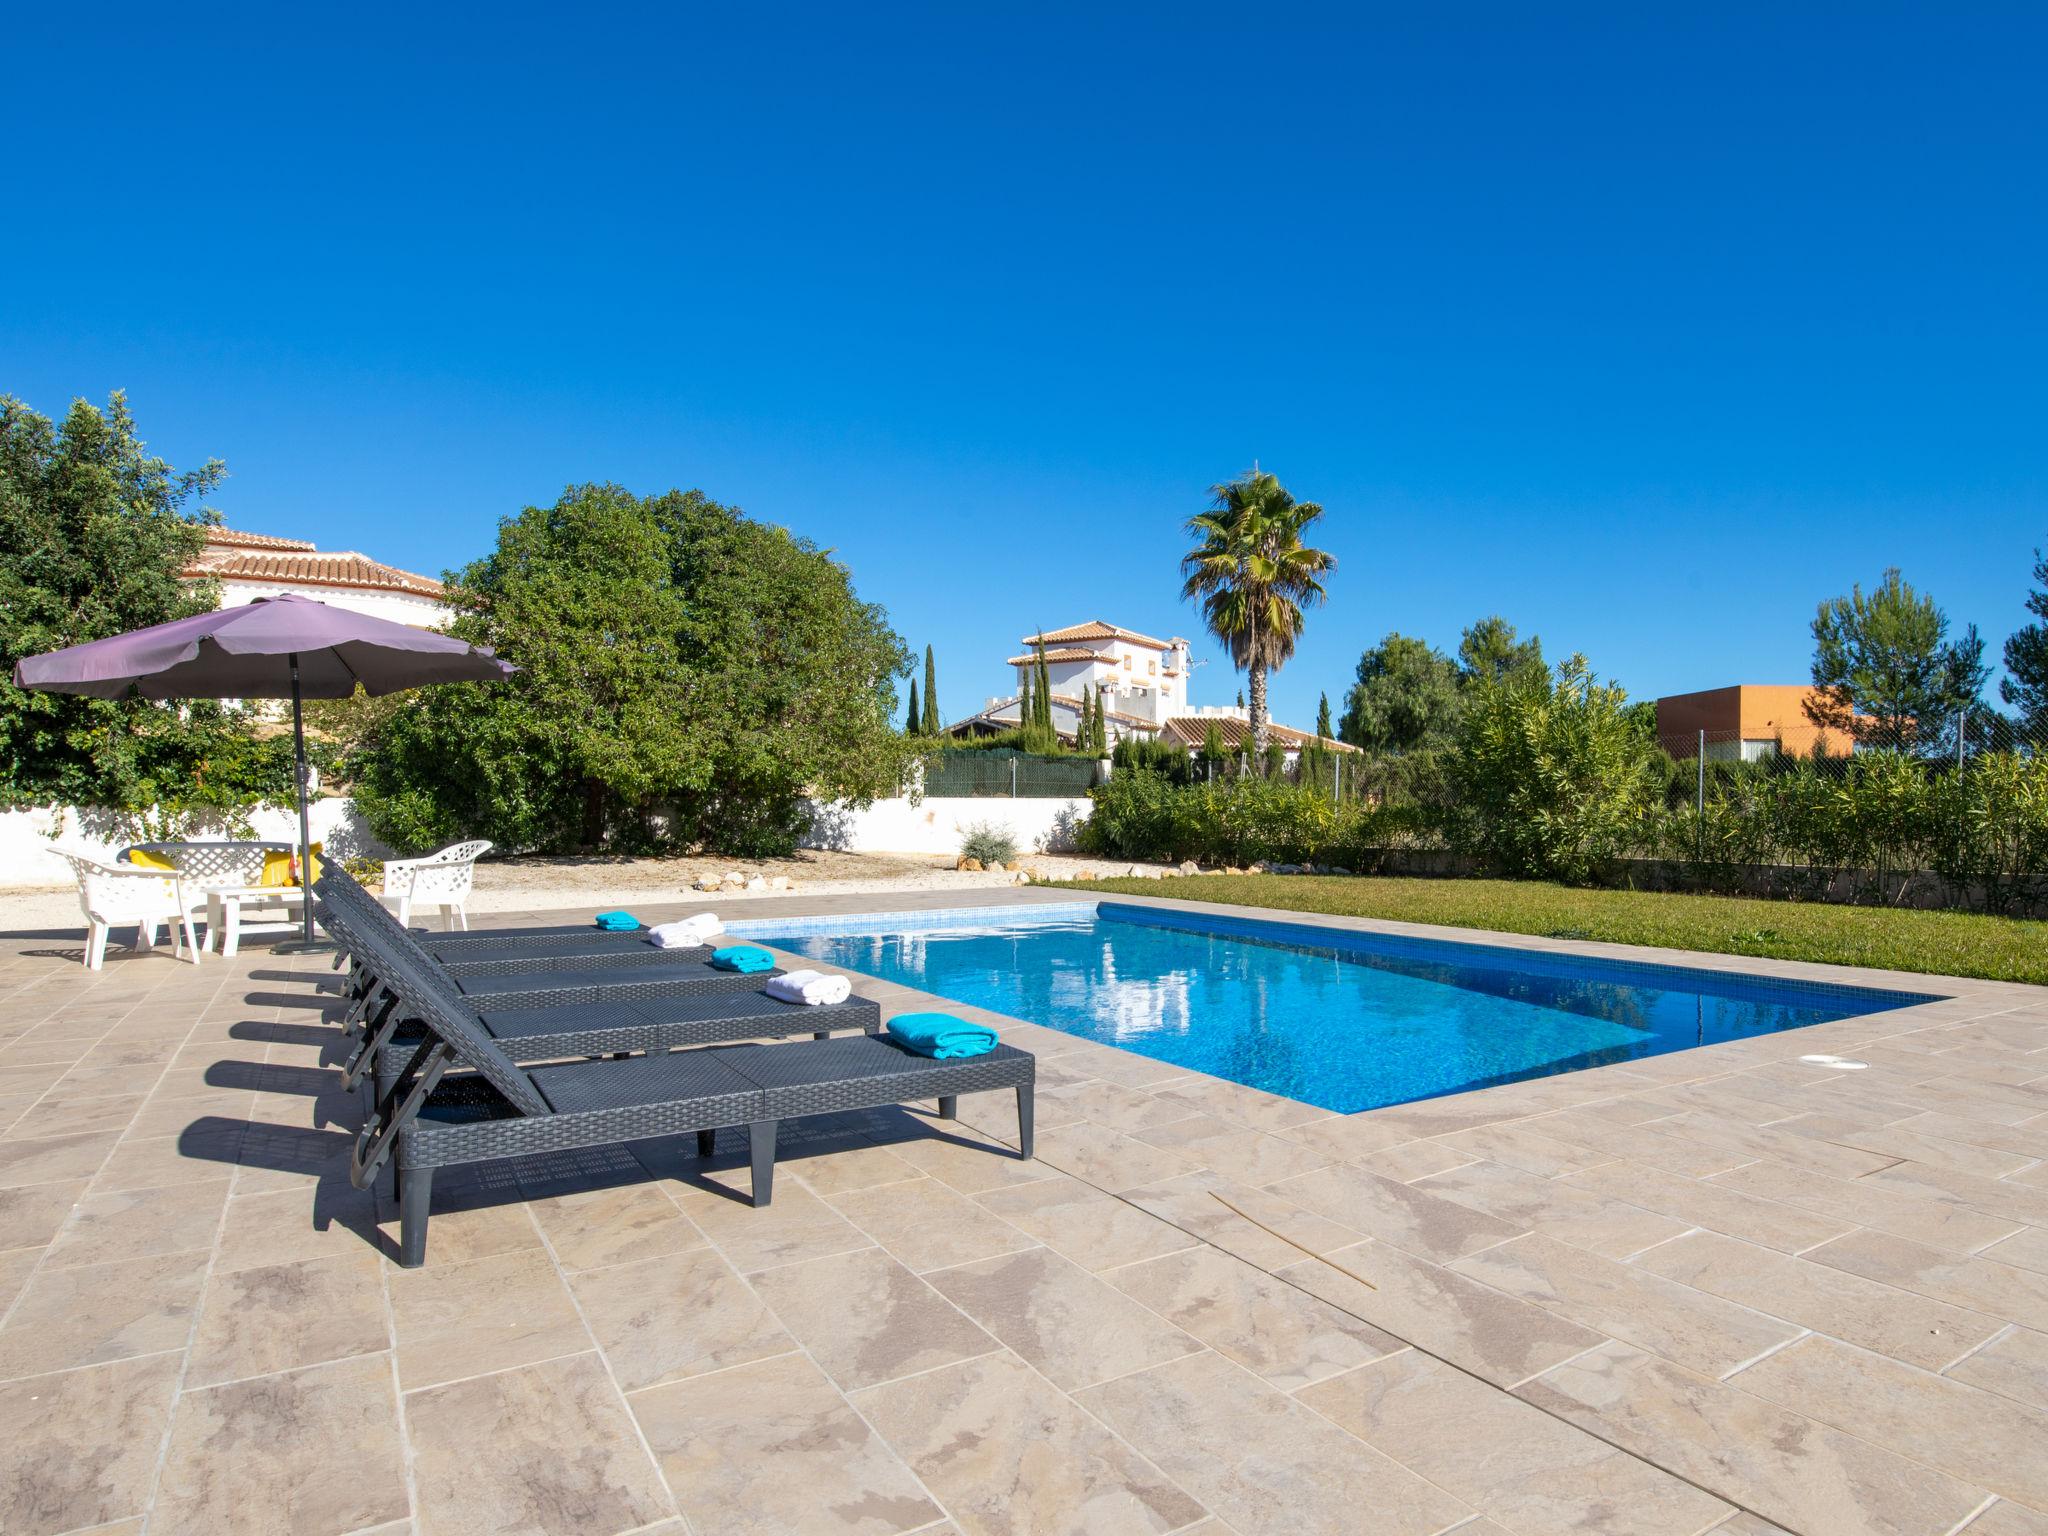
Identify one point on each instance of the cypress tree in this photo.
(931, 694)
(1027, 714)
(1322, 718)
(914, 723)
(1044, 689)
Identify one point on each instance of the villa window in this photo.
(1151, 669)
(1127, 663)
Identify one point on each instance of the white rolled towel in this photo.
(812, 987)
(705, 923)
(680, 936)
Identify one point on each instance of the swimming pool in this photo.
(1343, 1020)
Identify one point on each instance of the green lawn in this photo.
(1946, 943)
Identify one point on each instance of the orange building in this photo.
(1745, 722)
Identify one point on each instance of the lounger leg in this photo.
(949, 1106)
(707, 1143)
(1024, 1097)
(415, 1190)
(761, 1147)
(95, 945)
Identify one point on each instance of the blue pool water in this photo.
(1347, 1021)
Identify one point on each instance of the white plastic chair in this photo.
(440, 879)
(113, 895)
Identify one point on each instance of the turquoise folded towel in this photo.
(941, 1036)
(747, 959)
(617, 922)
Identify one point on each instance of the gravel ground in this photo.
(509, 885)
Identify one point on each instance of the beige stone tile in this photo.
(548, 1449)
(1638, 1143)
(51, 1158)
(1997, 1290)
(1518, 1145)
(1781, 1146)
(1256, 1225)
(1898, 1323)
(1095, 1230)
(311, 1451)
(325, 1221)
(797, 1225)
(1347, 1138)
(2006, 1518)
(2014, 1366)
(280, 1317)
(1109, 1159)
(1250, 1157)
(474, 1223)
(1075, 1327)
(1106, 1104)
(1987, 1440)
(69, 1318)
(1589, 1219)
(1264, 1323)
(62, 1115)
(130, 1224)
(174, 1116)
(1790, 1469)
(772, 1449)
(847, 1168)
(1247, 1106)
(1896, 1141)
(2028, 1248)
(1683, 1325)
(1943, 1223)
(1707, 1204)
(1528, 1471)
(1010, 1456)
(963, 1158)
(82, 1446)
(1403, 1215)
(1413, 1160)
(680, 1315)
(1261, 1460)
(153, 1162)
(486, 1315)
(927, 1226)
(16, 1265)
(1998, 1197)
(1495, 1336)
(866, 1319)
(31, 1214)
(614, 1226)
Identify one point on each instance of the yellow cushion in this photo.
(313, 859)
(277, 869)
(142, 858)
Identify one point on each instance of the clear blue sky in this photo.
(1647, 330)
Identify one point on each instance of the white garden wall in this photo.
(25, 836)
(936, 823)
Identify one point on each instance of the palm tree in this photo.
(1254, 575)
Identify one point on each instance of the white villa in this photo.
(1145, 685)
(253, 565)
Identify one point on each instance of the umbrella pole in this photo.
(305, 825)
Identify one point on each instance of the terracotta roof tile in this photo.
(234, 538)
(309, 567)
(1193, 730)
(1069, 653)
(1096, 629)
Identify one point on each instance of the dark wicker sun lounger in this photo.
(581, 1029)
(546, 982)
(431, 1118)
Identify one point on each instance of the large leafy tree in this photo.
(95, 534)
(1553, 778)
(2025, 684)
(1885, 671)
(1407, 697)
(1253, 575)
(687, 677)
(1489, 651)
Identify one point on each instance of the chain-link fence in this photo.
(1952, 812)
(999, 772)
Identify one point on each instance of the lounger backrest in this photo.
(430, 996)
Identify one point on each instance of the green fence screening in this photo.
(1004, 773)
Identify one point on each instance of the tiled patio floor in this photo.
(1718, 1290)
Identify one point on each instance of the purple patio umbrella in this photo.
(274, 648)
